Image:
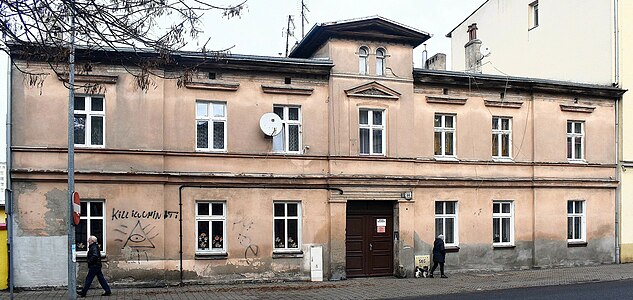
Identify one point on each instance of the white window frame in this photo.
(381, 56)
(211, 218)
(573, 135)
(445, 216)
(372, 127)
(583, 220)
(500, 216)
(443, 130)
(285, 132)
(363, 60)
(500, 132)
(89, 114)
(533, 15)
(299, 219)
(88, 217)
(211, 119)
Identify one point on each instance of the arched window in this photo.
(380, 62)
(363, 54)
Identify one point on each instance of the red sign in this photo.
(76, 208)
(381, 229)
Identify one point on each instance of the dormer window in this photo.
(380, 62)
(363, 54)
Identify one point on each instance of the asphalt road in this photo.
(622, 289)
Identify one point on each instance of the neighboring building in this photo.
(549, 39)
(374, 159)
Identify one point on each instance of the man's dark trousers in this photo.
(92, 272)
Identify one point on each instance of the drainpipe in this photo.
(616, 33)
(211, 186)
(9, 190)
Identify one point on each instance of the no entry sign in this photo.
(76, 208)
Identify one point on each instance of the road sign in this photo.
(76, 208)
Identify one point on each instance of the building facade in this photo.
(373, 159)
(577, 41)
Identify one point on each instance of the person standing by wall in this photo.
(439, 254)
(94, 268)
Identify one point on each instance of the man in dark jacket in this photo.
(94, 268)
(439, 254)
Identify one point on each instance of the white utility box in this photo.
(316, 263)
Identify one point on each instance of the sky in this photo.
(259, 30)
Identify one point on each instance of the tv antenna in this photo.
(289, 32)
(304, 19)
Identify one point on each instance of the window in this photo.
(372, 137)
(363, 54)
(533, 14)
(576, 231)
(89, 121)
(444, 135)
(289, 140)
(287, 223)
(575, 140)
(502, 223)
(210, 126)
(446, 221)
(380, 62)
(210, 227)
(91, 222)
(501, 137)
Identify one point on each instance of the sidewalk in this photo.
(363, 288)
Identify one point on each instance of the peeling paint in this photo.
(57, 214)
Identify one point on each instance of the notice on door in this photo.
(381, 224)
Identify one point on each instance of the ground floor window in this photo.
(502, 223)
(92, 222)
(210, 227)
(576, 224)
(287, 226)
(446, 221)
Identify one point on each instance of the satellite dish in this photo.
(485, 50)
(270, 123)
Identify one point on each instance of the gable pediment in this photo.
(373, 90)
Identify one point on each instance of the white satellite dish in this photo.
(485, 50)
(270, 123)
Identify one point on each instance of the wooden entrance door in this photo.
(369, 238)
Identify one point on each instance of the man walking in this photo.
(94, 268)
(439, 254)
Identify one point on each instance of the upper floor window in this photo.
(444, 127)
(575, 140)
(210, 227)
(289, 140)
(363, 55)
(210, 126)
(501, 137)
(533, 14)
(89, 121)
(380, 62)
(446, 221)
(372, 127)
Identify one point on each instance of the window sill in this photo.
(286, 153)
(501, 247)
(451, 249)
(288, 254)
(211, 256)
(577, 161)
(211, 151)
(84, 257)
(576, 244)
(503, 159)
(446, 158)
(81, 146)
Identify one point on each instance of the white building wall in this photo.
(40, 261)
(573, 42)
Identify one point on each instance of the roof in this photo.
(371, 28)
(511, 82)
(462, 22)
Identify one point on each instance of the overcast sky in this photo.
(259, 30)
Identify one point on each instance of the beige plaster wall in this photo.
(398, 62)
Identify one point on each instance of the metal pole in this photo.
(72, 273)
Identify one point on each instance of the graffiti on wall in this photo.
(242, 226)
(118, 214)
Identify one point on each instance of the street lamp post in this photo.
(72, 269)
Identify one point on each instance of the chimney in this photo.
(473, 50)
(436, 62)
